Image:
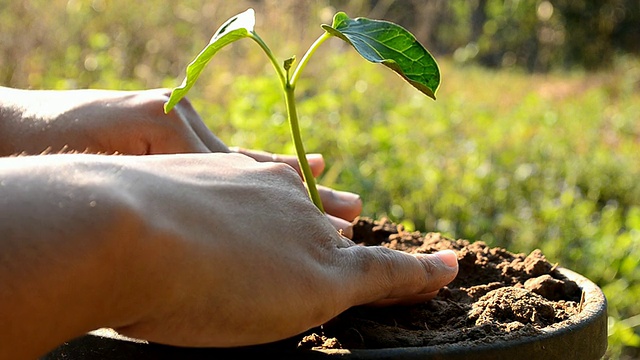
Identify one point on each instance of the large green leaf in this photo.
(390, 44)
(237, 27)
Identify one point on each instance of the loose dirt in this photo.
(496, 295)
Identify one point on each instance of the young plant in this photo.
(375, 40)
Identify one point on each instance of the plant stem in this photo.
(305, 59)
(288, 85)
(289, 90)
(297, 142)
(272, 58)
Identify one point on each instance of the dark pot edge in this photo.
(586, 332)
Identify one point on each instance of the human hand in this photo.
(183, 249)
(241, 256)
(341, 207)
(102, 121)
(274, 267)
(134, 123)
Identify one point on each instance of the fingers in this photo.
(381, 276)
(206, 136)
(188, 142)
(342, 225)
(342, 204)
(316, 161)
(193, 135)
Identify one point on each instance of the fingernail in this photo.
(315, 160)
(448, 257)
(347, 197)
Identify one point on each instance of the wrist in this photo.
(65, 250)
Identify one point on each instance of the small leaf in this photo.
(289, 63)
(390, 44)
(237, 27)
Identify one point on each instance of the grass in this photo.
(516, 160)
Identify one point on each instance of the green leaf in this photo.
(289, 63)
(236, 28)
(390, 44)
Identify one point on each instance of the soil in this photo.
(496, 295)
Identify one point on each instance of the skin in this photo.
(190, 245)
(108, 122)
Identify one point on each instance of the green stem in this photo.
(272, 58)
(289, 90)
(288, 85)
(297, 142)
(305, 59)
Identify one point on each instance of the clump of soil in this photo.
(496, 295)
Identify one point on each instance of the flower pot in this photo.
(575, 326)
(583, 337)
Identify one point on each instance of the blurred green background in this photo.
(534, 140)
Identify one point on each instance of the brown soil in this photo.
(496, 295)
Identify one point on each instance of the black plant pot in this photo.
(583, 337)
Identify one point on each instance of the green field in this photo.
(517, 160)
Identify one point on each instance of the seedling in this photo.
(377, 41)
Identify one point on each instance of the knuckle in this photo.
(379, 260)
(282, 169)
(428, 265)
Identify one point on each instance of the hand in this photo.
(102, 121)
(341, 207)
(189, 250)
(134, 123)
(255, 261)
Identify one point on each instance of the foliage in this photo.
(525, 161)
(377, 41)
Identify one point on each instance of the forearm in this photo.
(22, 123)
(61, 254)
(48, 121)
(10, 118)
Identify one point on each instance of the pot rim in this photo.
(567, 335)
(583, 336)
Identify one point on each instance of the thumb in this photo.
(381, 276)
